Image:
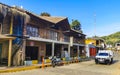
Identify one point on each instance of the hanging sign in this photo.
(31, 43)
(71, 41)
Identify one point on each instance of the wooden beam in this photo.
(9, 52)
(23, 51)
(11, 25)
(10, 42)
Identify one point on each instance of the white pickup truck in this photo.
(104, 56)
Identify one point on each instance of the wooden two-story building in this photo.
(26, 36)
(52, 36)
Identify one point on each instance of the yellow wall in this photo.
(89, 41)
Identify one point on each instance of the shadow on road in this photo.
(115, 61)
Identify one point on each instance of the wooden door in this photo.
(0, 50)
(0, 28)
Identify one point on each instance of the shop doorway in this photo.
(48, 50)
(0, 28)
(0, 50)
(31, 53)
(81, 51)
(58, 50)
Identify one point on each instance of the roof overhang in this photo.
(61, 22)
(75, 33)
(76, 44)
(5, 37)
(46, 40)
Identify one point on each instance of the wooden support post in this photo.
(23, 51)
(9, 52)
(99, 45)
(11, 25)
(10, 42)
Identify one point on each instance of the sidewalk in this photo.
(36, 66)
(21, 68)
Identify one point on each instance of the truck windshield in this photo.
(103, 54)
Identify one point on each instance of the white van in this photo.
(104, 56)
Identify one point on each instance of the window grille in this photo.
(32, 31)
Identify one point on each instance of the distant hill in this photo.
(112, 38)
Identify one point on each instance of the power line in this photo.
(95, 24)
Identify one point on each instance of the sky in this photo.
(97, 17)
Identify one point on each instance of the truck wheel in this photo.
(96, 61)
(107, 62)
(111, 60)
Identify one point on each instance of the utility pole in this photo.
(95, 24)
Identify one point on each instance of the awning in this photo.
(76, 44)
(46, 40)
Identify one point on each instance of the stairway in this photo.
(17, 45)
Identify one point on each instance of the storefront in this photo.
(31, 52)
(90, 50)
(34, 51)
(5, 50)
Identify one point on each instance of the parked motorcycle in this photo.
(55, 61)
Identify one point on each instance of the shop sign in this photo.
(71, 41)
(31, 43)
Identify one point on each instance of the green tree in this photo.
(76, 25)
(112, 38)
(95, 36)
(45, 14)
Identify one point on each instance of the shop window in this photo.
(32, 31)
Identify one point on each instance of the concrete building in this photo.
(93, 45)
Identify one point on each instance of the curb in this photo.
(24, 68)
(18, 69)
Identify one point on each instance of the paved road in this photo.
(83, 68)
